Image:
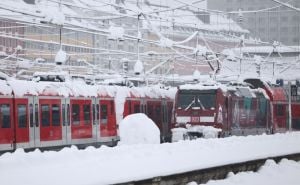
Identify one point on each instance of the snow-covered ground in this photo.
(132, 162)
(285, 172)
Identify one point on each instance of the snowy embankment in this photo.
(285, 172)
(133, 162)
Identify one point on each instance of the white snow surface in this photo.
(133, 162)
(61, 56)
(138, 129)
(285, 172)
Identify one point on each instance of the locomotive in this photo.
(251, 107)
(50, 115)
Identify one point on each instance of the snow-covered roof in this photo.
(80, 89)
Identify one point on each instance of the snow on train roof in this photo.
(203, 86)
(80, 89)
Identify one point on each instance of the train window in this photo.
(36, 115)
(75, 114)
(64, 114)
(45, 115)
(68, 114)
(31, 114)
(103, 114)
(157, 110)
(280, 110)
(22, 116)
(98, 112)
(5, 116)
(136, 108)
(129, 106)
(94, 114)
(55, 115)
(150, 110)
(87, 114)
(164, 114)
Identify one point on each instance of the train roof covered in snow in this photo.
(79, 89)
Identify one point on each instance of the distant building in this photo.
(8, 30)
(277, 24)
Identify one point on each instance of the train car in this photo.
(237, 110)
(156, 104)
(248, 111)
(50, 115)
(279, 111)
(6, 117)
(200, 105)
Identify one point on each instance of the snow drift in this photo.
(138, 129)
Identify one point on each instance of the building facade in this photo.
(272, 22)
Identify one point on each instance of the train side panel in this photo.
(6, 123)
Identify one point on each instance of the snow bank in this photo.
(138, 129)
(285, 172)
(133, 162)
(207, 131)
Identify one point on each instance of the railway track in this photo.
(213, 173)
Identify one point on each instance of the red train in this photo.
(254, 108)
(49, 115)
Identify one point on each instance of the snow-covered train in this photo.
(251, 107)
(56, 114)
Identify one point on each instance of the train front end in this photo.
(199, 107)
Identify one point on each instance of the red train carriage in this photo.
(236, 110)
(6, 118)
(200, 105)
(247, 111)
(279, 106)
(46, 115)
(157, 107)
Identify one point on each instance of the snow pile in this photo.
(207, 131)
(100, 166)
(178, 134)
(285, 172)
(138, 129)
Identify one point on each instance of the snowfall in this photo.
(139, 156)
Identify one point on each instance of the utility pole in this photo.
(290, 105)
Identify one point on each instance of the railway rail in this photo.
(213, 173)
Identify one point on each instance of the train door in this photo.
(21, 123)
(34, 132)
(154, 112)
(66, 126)
(167, 108)
(131, 107)
(50, 122)
(96, 127)
(81, 119)
(164, 129)
(6, 123)
(108, 125)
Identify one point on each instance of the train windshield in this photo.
(196, 99)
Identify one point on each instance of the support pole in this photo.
(290, 106)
